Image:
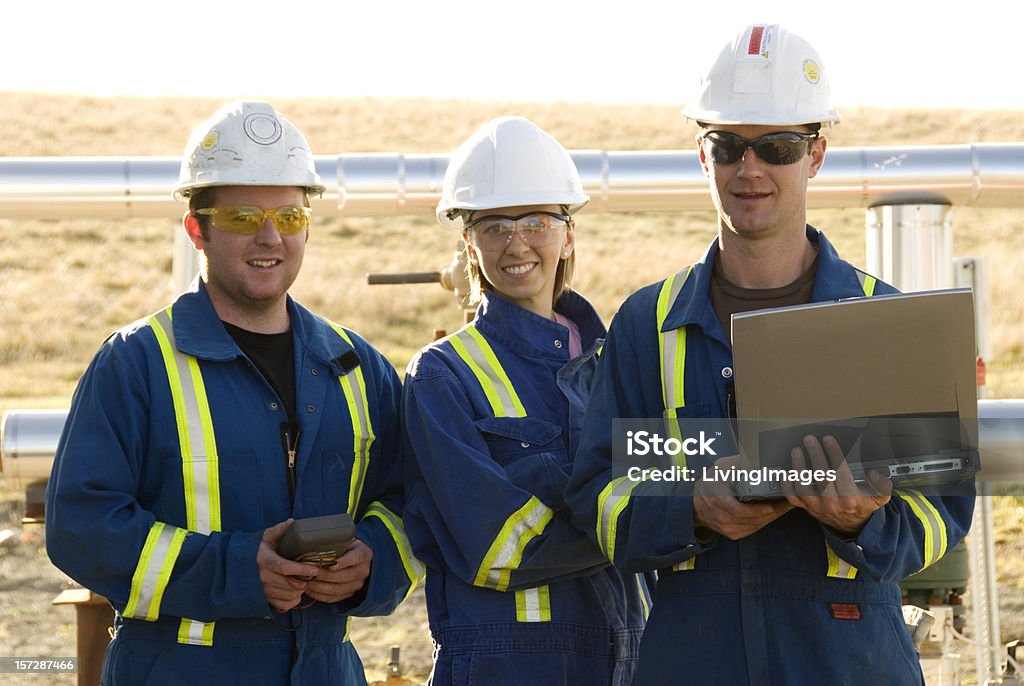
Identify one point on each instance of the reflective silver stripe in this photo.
(611, 502)
(533, 604)
(668, 351)
(192, 632)
(414, 569)
(163, 543)
(194, 457)
(673, 391)
(837, 566)
(488, 371)
(197, 442)
(934, 528)
(685, 565)
(353, 386)
(867, 282)
(507, 549)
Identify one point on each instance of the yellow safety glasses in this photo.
(248, 219)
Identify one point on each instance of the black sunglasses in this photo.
(783, 147)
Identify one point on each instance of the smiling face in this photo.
(757, 200)
(521, 273)
(248, 277)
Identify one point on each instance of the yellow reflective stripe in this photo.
(610, 504)
(198, 444)
(533, 605)
(478, 355)
(685, 565)
(867, 282)
(669, 345)
(413, 567)
(192, 632)
(837, 566)
(153, 571)
(935, 541)
(195, 430)
(353, 385)
(672, 356)
(641, 588)
(678, 352)
(207, 481)
(507, 549)
(168, 350)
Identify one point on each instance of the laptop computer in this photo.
(891, 377)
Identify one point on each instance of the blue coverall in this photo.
(167, 532)
(790, 605)
(515, 593)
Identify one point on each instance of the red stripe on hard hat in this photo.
(756, 34)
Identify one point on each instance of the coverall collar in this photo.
(693, 306)
(532, 334)
(199, 332)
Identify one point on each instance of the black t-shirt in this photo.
(729, 299)
(274, 355)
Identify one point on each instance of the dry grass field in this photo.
(69, 283)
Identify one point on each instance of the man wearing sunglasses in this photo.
(795, 591)
(200, 433)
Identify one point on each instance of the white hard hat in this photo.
(246, 143)
(767, 76)
(509, 162)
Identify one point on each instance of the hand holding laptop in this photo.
(716, 507)
(842, 504)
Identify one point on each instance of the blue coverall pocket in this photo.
(532, 454)
(236, 480)
(512, 438)
(336, 475)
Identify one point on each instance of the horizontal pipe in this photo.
(402, 278)
(28, 442)
(395, 184)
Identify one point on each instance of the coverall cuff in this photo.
(852, 548)
(244, 574)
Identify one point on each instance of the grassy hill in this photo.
(67, 284)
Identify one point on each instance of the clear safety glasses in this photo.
(538, 229)
(248, 219)
(784, 147)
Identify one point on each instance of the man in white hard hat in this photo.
(795, 591)
(198, 435)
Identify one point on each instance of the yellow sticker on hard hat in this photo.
(209, 140)
(811, 71)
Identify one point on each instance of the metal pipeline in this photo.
(395, 184)
(28, 442)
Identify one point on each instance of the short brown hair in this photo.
(201, 199)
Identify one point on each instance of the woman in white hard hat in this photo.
(515, 593)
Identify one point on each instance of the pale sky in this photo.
(882, 53)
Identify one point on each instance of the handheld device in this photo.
(317, 541)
